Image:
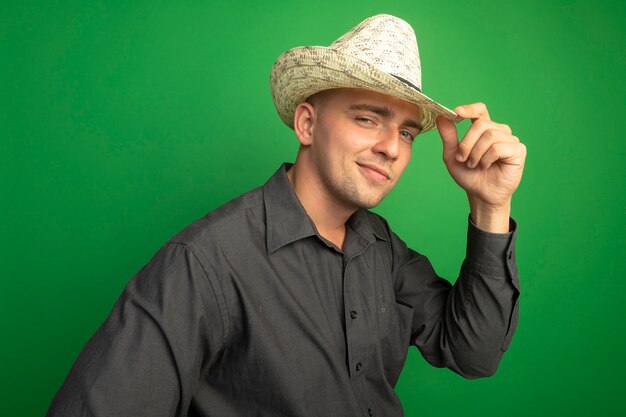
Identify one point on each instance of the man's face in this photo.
(361, 143)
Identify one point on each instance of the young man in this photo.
(294, 299)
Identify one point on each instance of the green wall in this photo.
(123, 121)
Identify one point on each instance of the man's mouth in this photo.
(375, 172)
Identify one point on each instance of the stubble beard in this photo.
(354, 191)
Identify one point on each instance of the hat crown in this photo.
(386, 42)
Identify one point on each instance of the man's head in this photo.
(356, 107)
(355, 143)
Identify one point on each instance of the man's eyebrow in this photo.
(381, 111)
(384, 112)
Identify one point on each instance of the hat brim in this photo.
(303, 71)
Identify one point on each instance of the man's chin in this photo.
(370, 202)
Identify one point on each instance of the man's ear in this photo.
(303, 121)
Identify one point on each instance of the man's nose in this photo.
(388, 143)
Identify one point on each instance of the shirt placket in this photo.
(358, 326)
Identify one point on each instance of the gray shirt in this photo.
(250, 312)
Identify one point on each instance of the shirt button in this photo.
(359, 366)
(353, 314)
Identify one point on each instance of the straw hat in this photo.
(378, 54)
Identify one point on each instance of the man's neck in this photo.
(328, 215)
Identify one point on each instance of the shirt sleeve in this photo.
(145, 359)
(466, 326)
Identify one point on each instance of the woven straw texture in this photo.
(379, 54)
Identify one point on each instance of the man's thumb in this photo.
(449, 136)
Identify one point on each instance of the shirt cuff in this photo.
(491, 249)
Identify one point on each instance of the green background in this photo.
(122, 122)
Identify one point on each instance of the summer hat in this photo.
(378, 54)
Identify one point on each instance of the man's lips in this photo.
(375, 172)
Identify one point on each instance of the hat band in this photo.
(410, 84)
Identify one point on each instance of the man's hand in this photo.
(487, 164)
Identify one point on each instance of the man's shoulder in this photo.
(227, 222)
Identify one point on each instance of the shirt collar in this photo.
(361, 223)
(287, 220)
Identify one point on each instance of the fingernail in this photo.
(470, 164)
(459, 157)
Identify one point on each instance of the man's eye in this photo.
(407, 135)
(364, 120)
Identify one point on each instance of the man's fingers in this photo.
(449, 137)
(506, 152)
(488, 138)
(479, 129)
(473, 111)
